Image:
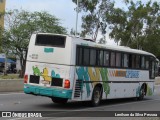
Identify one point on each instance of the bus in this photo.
(64, 67)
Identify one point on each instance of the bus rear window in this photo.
(50, 40)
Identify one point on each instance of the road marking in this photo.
(11, 93)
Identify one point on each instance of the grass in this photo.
(9, 76)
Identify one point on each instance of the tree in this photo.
(72, 32)
(1, 32)
(102, 40)
(94, 20)
(1, 28)
(19, 27)
(137, 27)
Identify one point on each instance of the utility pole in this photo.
(77, 10)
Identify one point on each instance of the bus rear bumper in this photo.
(48, 92)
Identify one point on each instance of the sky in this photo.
(62, 9)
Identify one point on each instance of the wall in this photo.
(11, 85)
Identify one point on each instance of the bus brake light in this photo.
(25, 78)
(67, 84)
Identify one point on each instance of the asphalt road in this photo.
(23, 102)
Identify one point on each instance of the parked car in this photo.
(159, 71)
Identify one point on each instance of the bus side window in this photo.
(100, 57)
(146, 63)
(153, 70)
(130, 61)
(79, 56)
(106, 58)
(112, 59)
(118, 59)
(125, 61)
(137, 61)
(92, 57)
(142, 62)
(156, 68)
(133, 61)
(86, 56)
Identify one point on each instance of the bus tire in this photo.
(59, 100)
(96, 96)
(142, 93)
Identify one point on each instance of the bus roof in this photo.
(129, 50)
(116, 48)
(111, 47)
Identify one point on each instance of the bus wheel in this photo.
(142, 93)
(59, 100)
(96, 96)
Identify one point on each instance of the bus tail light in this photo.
(25, 78)
(67, 84)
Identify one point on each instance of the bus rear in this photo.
(48, 67)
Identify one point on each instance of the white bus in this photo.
(65, 67)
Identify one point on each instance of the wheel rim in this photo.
(96, 96)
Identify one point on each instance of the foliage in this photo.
(19, 27)
(102, 40)
(138, 26)
(1, 32)
(72, 32)
(1, 29)
(94, 20)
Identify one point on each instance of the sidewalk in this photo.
(11, 85)
(157, 80)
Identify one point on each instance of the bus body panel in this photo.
(51, 66)
(41, 76)
(116, 83)
(47, 68)
(49, 54)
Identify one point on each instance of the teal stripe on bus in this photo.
(49, 92)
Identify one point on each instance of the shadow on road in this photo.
(74, 105)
